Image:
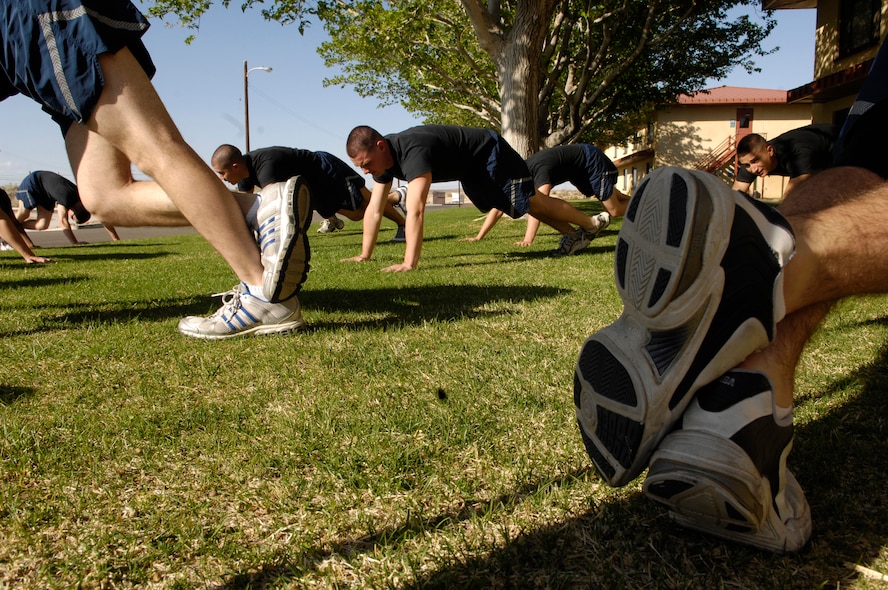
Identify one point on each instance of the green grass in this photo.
(421, 433)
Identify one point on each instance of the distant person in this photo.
(13, 234)
(492, 174)
(583, 165)
(41, 191)
(798, 154)
(334, 185)
(85, 63)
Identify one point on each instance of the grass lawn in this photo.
(420, 434)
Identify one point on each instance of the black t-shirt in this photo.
(330, 180)
(449, 152)
(566, 163)
(48, 188)
(800, 151)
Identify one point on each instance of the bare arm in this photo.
(794, 183)
(417, 191)
(65, 224)
(10, 233)
(372, 220)
(743, 187)
(492, 217)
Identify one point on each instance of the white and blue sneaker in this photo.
(282, 218)
(723, 470)
(699, 269)
(401, 205)
(242, 314)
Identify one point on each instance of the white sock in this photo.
(256, 291)
(782, 415)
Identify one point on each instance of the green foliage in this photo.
(602, 66)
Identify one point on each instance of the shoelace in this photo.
(231, 301)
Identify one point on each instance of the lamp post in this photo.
(247, 100)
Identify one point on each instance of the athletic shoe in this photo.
(282, 218)
(4, 247)
(330, 225)
(242, 314)
(402, 200)
(573, 243)
(603, 219)
(399, 235)
(723, 471)
(699, 269)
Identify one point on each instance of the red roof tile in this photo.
(734, 95)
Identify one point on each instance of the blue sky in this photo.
(202, 86)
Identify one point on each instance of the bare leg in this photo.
(130, 124)
(840, 245)
(617, 204)
(559, 214)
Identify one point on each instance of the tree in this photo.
(545, 72)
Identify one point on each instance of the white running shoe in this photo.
(402, 200)
(573, 243)
(330, 225)
(603, 220)
(282, 218)
(699, 269)
(723, 471)
(243, 314)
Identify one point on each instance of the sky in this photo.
(202, 87)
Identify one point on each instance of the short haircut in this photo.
(226, 155)
(361, 139)
(751, 143)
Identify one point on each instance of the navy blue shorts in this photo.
(601, 174)
(507, 186)
(348, 183)
(862, 138)
(50, 51)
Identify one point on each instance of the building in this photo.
(701, 131)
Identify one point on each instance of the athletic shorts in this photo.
(31, 201)
(347, 183)
(601, 174)
(50, 51)
(862, 138)
(507, 184)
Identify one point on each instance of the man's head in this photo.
(756, 155)
(368, 150)
(229, 163)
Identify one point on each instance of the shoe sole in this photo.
(695, 305)
(284, 275)
(722, 492)
(281, 329)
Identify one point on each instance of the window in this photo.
(859, 23)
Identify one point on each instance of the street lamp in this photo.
(247, 99)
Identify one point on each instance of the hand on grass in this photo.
(398, 268)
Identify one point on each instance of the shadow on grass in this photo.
(10, 393)
(409, 305)
(629, 542)
(82, 253)
(41, 282)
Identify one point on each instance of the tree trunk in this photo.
(518, 83)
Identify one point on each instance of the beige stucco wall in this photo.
(826, 44)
